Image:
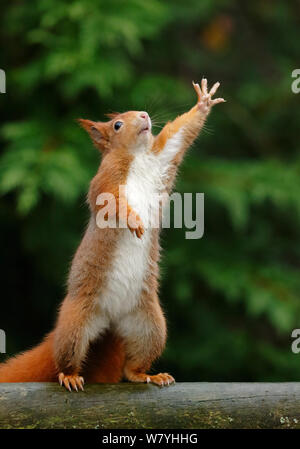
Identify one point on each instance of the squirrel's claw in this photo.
(71, 381)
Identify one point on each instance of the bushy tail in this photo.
(35, 365)
(104, 363)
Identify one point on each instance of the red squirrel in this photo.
(110, 324)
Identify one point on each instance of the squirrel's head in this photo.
(130, 130)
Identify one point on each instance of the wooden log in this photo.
(133, 406)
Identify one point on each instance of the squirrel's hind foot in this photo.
(162, 379)
(72, 381)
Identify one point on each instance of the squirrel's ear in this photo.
(95, 130)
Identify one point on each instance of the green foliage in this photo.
(231, 298)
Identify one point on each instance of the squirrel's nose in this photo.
(144, 115)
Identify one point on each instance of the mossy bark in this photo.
(131, 406)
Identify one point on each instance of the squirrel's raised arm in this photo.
(175, 138)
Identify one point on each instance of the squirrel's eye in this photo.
(118, 125)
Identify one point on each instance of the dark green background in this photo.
(231, 298)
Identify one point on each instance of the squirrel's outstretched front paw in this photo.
(205, 101)
(71, 381)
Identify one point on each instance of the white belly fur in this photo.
(131, 257)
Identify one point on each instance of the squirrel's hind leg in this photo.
(79, 323)
(144, 334)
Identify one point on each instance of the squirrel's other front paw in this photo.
(71, 381)
(205, 101)
(135, 225)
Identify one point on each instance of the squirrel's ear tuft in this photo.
(112, 115)
(95, 130)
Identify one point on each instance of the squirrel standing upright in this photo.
(110, 323)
